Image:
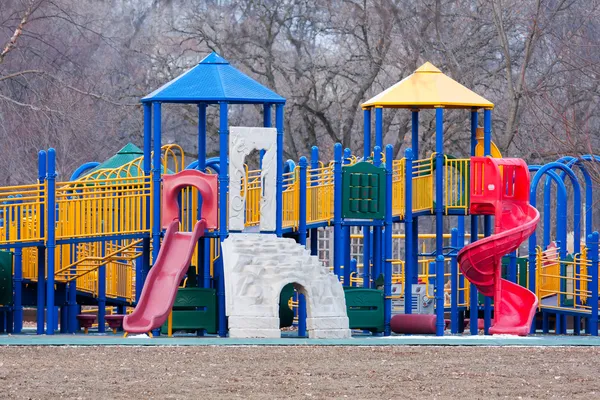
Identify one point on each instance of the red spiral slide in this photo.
(500, 187)
(162, 282)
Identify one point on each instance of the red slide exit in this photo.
(162, 282)
(500, 187)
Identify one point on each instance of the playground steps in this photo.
(258, 266)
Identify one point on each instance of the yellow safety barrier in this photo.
(20, 208)
(319, 194)
(456, 182)
(398, 187)
(563, 284)
(102, 207)
(291, 199)
(423, 184)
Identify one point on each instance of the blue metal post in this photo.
(454, 282)
(367, 132)
(223, 191)
(203, 243)
(143, 265)
(487, 219)
(439, 295)
(302, 236)
(461, 279)
(337, 209)
(377, 231)
(267, 124)
(72, 323)
(379, 127)
(314, 233)
(41, 250)
(353, 268)
(201, 137)
(409, 268)
(415, 220)
(439, 198)
(387, 287)
(474, 298)
(512, 267)
(18, 280)
(366, 256)
(367, 229)
(279, 191)
(346, 240)
(102, 293)
(593, 246)
(156, 170)
(50, 240)
(206, 264)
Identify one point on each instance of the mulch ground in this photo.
(299, 372)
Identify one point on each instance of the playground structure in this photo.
(109, 223)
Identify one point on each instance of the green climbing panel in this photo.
(365, 308)
(363, 191)
(6, 281)
(194, 309)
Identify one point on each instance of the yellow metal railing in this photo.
(456, 182)
(291, 199)
(20, 208)
(319, 194)
(422, 190)
(102, 207)
(563, 283)
(424, 277)
(252, 189)
(398, 189)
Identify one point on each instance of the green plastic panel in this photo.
(286, 314)
(6, 280)
(365, 308)
(194, 309)
(363, 191)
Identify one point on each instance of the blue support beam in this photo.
(41, 250)
(474, 298)
(593, 246)
(439, 295)
(156, 172)
(487, 219)
(203, 243)
(267, 124)
(102, 293)
(409, 267)
(377, 231)
(302, 239)
(415, 221)
(223, 191)
(454, 282)
(367, 132)
(379, 127)
(18, 281)
(387, 286)
(337, 209)
(50, 241)
(279, 191)
(439, 199)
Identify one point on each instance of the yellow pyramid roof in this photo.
(428, 87)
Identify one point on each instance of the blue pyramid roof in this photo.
(211, 81)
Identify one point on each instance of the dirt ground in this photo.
(299, 372)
